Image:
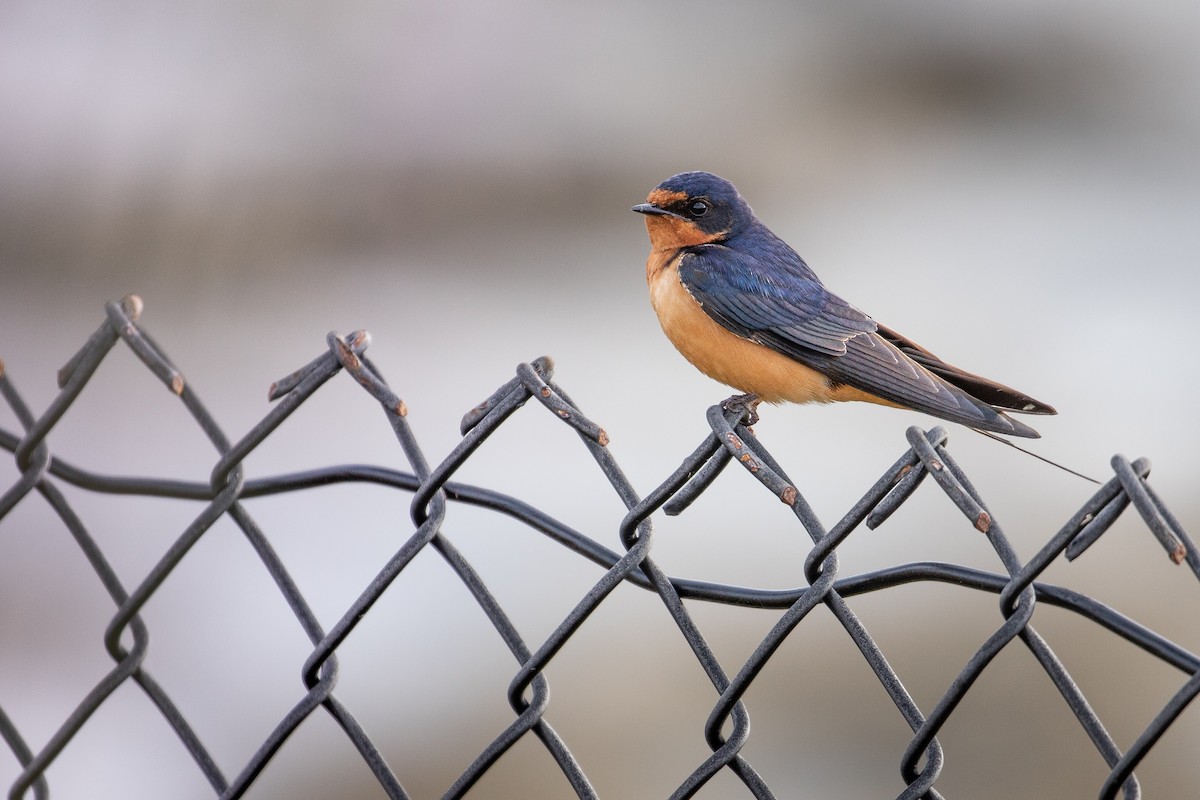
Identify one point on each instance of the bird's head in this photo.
(693, 208)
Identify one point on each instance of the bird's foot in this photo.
(746, 405)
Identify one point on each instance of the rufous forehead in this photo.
(664, 197)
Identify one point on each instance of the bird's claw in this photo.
(745, 405)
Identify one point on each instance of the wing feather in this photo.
(781, 304)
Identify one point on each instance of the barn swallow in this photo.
(745, 309)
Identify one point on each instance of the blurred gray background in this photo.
(1015, 186)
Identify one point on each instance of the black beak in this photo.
(653, 210)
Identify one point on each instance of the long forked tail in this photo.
(1010, 443)
(994, 394)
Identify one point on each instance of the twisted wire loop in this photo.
(728, 440)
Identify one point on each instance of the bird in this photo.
(745, 309)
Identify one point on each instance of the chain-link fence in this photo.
(43, 477)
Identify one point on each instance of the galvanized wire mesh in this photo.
(727, 441)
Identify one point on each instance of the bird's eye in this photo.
(698, 208)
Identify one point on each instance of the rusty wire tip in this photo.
(132, 305)
(983, 522)
(176, 384)
(471, 418)
(284, 385)
(601, 437)
(789, 495)
(345, 353)
(360, 339)
(401, 408)
(1178, 554)
(543, 366)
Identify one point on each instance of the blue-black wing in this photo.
(768, 301)
(778, 302)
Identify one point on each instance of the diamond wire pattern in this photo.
(727, 441)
